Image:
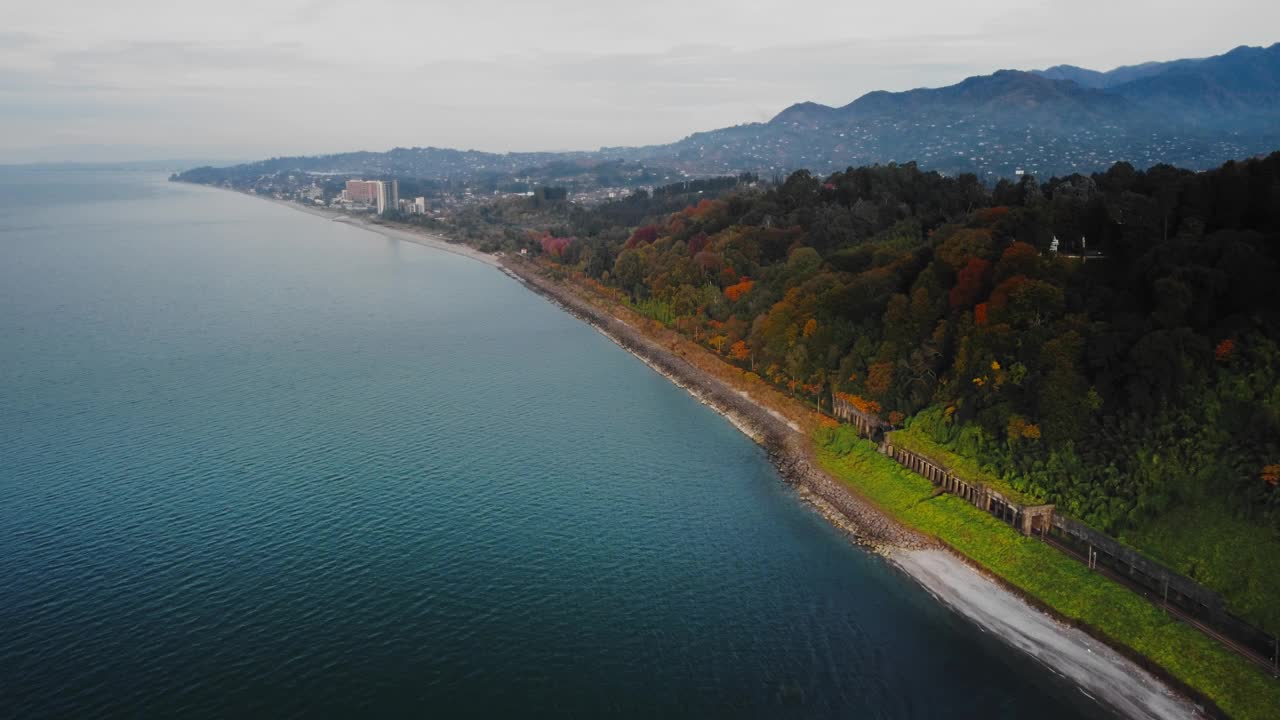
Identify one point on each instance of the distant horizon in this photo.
(86, 154)
(91, 156)
(245, 158)
(143, 80)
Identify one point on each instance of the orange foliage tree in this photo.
(737, 290)
(1271, 474)
(880, 379)
(859, 403)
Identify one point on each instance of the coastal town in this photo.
(410, 197)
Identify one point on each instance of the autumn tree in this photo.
(737, 290)
(971, 283)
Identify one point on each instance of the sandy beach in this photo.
(1099, 671)
(407, 234)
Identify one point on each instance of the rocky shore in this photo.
(1101, 672)
(1098, 671)
(785, 443)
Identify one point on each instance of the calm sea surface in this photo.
(256, 463)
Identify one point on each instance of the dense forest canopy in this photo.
(1106, 342)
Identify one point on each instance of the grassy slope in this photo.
(1202, 540)
(1238, 687)
(964, 468)
(1240, 560)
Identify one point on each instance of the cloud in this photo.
(16, 40)
(300, 76)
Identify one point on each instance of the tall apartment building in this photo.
(388, 195)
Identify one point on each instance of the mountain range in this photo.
(1193, 113)
(1239, 89)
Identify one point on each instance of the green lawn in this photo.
(1239, 688)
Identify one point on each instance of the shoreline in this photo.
(414, 235)
(1097, 670)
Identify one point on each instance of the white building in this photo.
(416, 206)
(387, 195)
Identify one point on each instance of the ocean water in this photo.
(254, 463)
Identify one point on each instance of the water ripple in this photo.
(278, 467)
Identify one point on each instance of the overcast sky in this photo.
(238, 79)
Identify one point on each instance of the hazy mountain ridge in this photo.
(1244, 79)
(1240, 89)
(1008, 96)
(1193, 113)
(422, 162)
(1110, 78)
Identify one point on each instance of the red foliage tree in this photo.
(980, 314)
(988, 217)
(698, 243)
(971, 281)
(703, 208)
(642, 236)
(1224, 350)
(554, 246)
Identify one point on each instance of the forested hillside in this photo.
(1106, 343)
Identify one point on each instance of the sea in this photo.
(257, 463)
